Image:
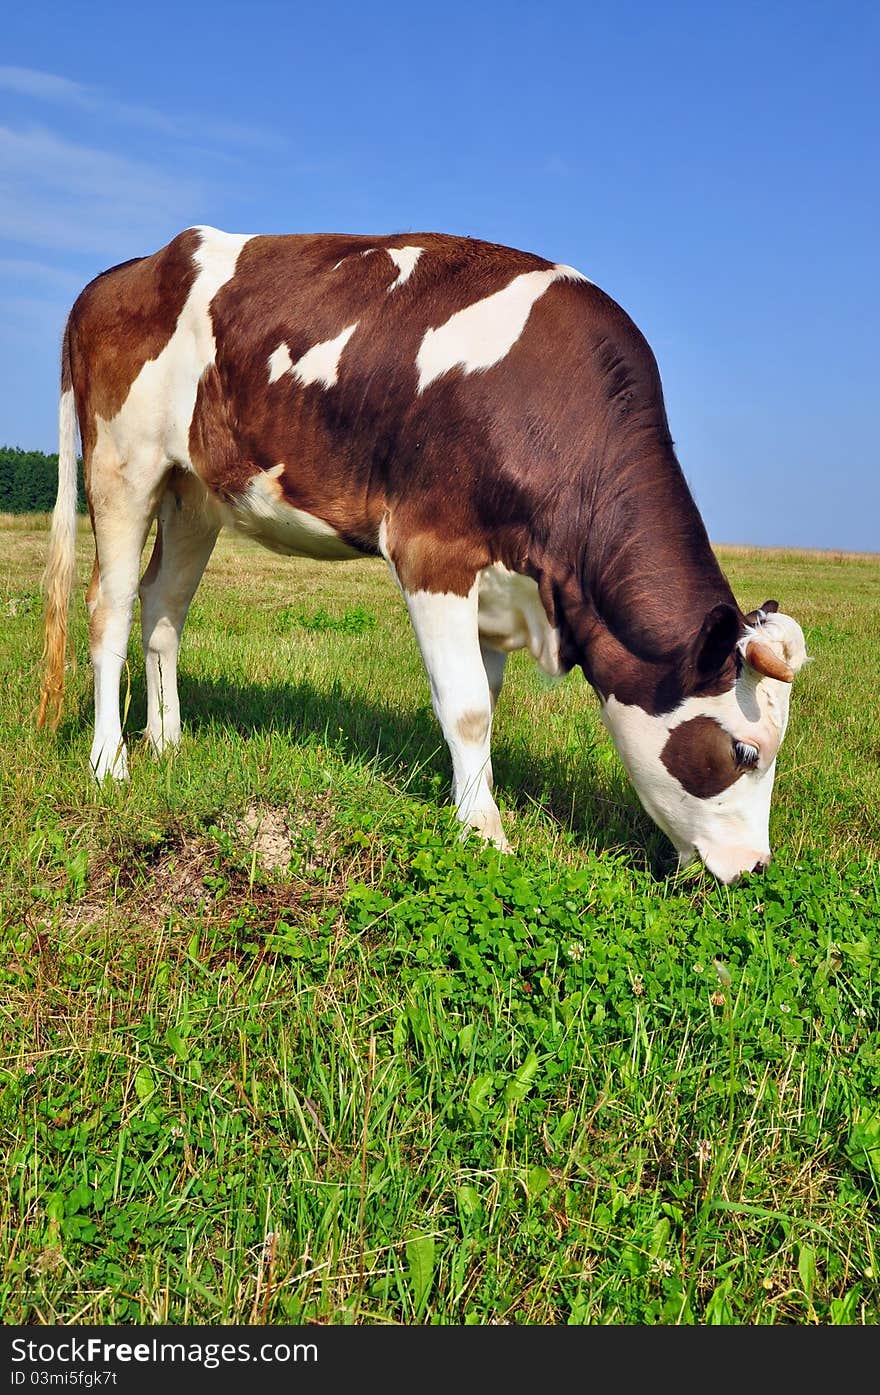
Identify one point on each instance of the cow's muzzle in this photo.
(730, 864)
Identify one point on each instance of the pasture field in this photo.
(277, 1047)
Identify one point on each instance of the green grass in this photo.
(278, 1047)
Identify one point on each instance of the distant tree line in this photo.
(29, 481)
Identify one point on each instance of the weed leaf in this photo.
(420, 1269)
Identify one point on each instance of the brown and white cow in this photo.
(492, 425)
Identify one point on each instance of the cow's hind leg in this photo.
(123, 507)
(186, 530)
(463, 696)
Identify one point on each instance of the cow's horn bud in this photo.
(763, 660)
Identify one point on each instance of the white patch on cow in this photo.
(512, 616)
(382, 544)
(320, 363)
(366, 253)
(280, 363)
(263, 514)
(404, 258)
(571, 273)
(216, 256)
(482, 334)
(730, 830)
(151, 428)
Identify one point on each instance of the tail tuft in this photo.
(61, 562)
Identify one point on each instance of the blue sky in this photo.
(713, 167)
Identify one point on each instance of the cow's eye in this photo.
(745, 755)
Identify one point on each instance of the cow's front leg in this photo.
(446, 629)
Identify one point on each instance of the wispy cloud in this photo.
(86, 180)
(56, 193)
(26, 271)
(50, 87)
(32, 83)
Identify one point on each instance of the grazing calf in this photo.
(490, 423)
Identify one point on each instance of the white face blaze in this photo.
(728, 830)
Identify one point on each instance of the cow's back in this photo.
(464, 386)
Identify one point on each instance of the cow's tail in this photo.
(61, 562)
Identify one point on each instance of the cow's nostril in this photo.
(760, 866)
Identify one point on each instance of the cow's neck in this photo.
(641, 577)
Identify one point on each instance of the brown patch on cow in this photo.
(429, 561)
(656, 681)
(214, 448)
(122, 320)
(473, 726)
(699, 753)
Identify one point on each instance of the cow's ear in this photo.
(755, 617)
(715, 641)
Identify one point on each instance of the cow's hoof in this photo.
(488, 824)
(164, 745)
(110, 764)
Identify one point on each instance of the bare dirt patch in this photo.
(267, 831)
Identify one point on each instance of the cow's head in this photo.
(704, 770)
